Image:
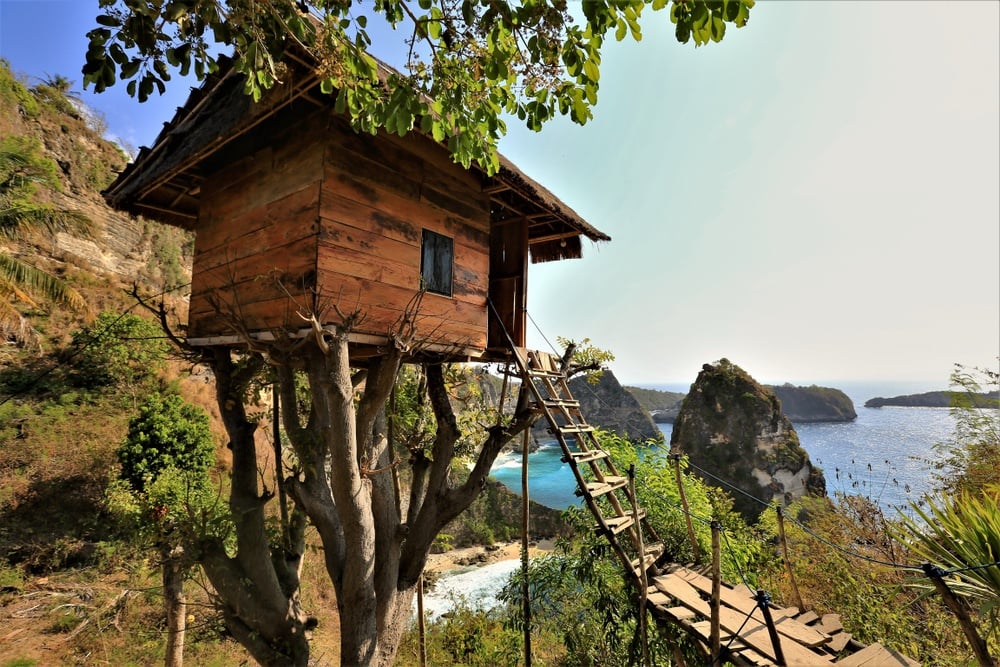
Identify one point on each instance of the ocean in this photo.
(882, 455)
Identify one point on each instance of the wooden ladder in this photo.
(607, 494)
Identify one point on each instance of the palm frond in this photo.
(14, 326)
(962, 535)
(33, 280)
(22, 218)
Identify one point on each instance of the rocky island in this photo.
(937, 399)
(733, 427)
(803, 405)
(812, 404)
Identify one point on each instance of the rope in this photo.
(970, 568)
(844, 550)
(732, 555)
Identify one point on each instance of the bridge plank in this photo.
(789, 627)
(754, 634)
(877, 655)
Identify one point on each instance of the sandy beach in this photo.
(483, 555)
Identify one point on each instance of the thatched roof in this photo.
(164, 182)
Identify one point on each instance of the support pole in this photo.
(764, 602)
(687, 512)
(979, 648)
(643, 579)
(714, 638)
(525, 515)
(279, 479)
(422, 627)
(788, 562)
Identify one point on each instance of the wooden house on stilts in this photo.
(295, 212)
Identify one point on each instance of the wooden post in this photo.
(279, 480)
(525, 588)
(788, 562)
(763, 601)
(422, 627)
(714, 638)
(687, 512)
(643, 579)
(979, 647)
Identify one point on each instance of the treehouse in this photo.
(295, 213)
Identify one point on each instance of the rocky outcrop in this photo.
(811, 404)
(607, 405)
(936, 399)
(732, 427)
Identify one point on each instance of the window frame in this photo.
(437, 263)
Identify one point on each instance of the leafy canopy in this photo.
(470, 62)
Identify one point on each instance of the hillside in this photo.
(73, 582)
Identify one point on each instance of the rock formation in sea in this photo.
(812, 404)
(733, 427)
(936, 399)
(607, 405)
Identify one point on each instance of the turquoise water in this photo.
(879, 455)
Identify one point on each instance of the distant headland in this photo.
(936, 399)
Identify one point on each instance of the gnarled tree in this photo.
(375, 537)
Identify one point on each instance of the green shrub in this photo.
(167, 433)
(117, 351)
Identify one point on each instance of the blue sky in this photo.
(815, 198)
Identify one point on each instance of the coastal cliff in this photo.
(811, 404)
(733, 427)
(606, 404)
(803, 405)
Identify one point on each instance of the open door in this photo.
(508, 283)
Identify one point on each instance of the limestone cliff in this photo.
(732, 427)
(812, 404)
(606, 404)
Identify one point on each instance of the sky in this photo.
(815, 198)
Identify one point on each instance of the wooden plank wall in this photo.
(258, 226)
(378, 194)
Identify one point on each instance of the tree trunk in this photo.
(172, 570)
(258, 594)
(343, 484)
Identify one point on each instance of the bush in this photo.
(117, 351)
(167, 433)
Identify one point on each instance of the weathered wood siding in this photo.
(256, 237)
(378, 194)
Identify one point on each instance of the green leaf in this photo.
(621, 30)
(591, 70)
(109, 21)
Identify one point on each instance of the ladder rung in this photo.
(586, 457)
(653, 552)
(619, 523)
(535, 373)
(562, 403)
(609, 484)
(576, 428)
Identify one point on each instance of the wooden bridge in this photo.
(726, 623)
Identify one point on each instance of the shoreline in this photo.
(484, 555)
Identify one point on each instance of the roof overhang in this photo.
(164, 182)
